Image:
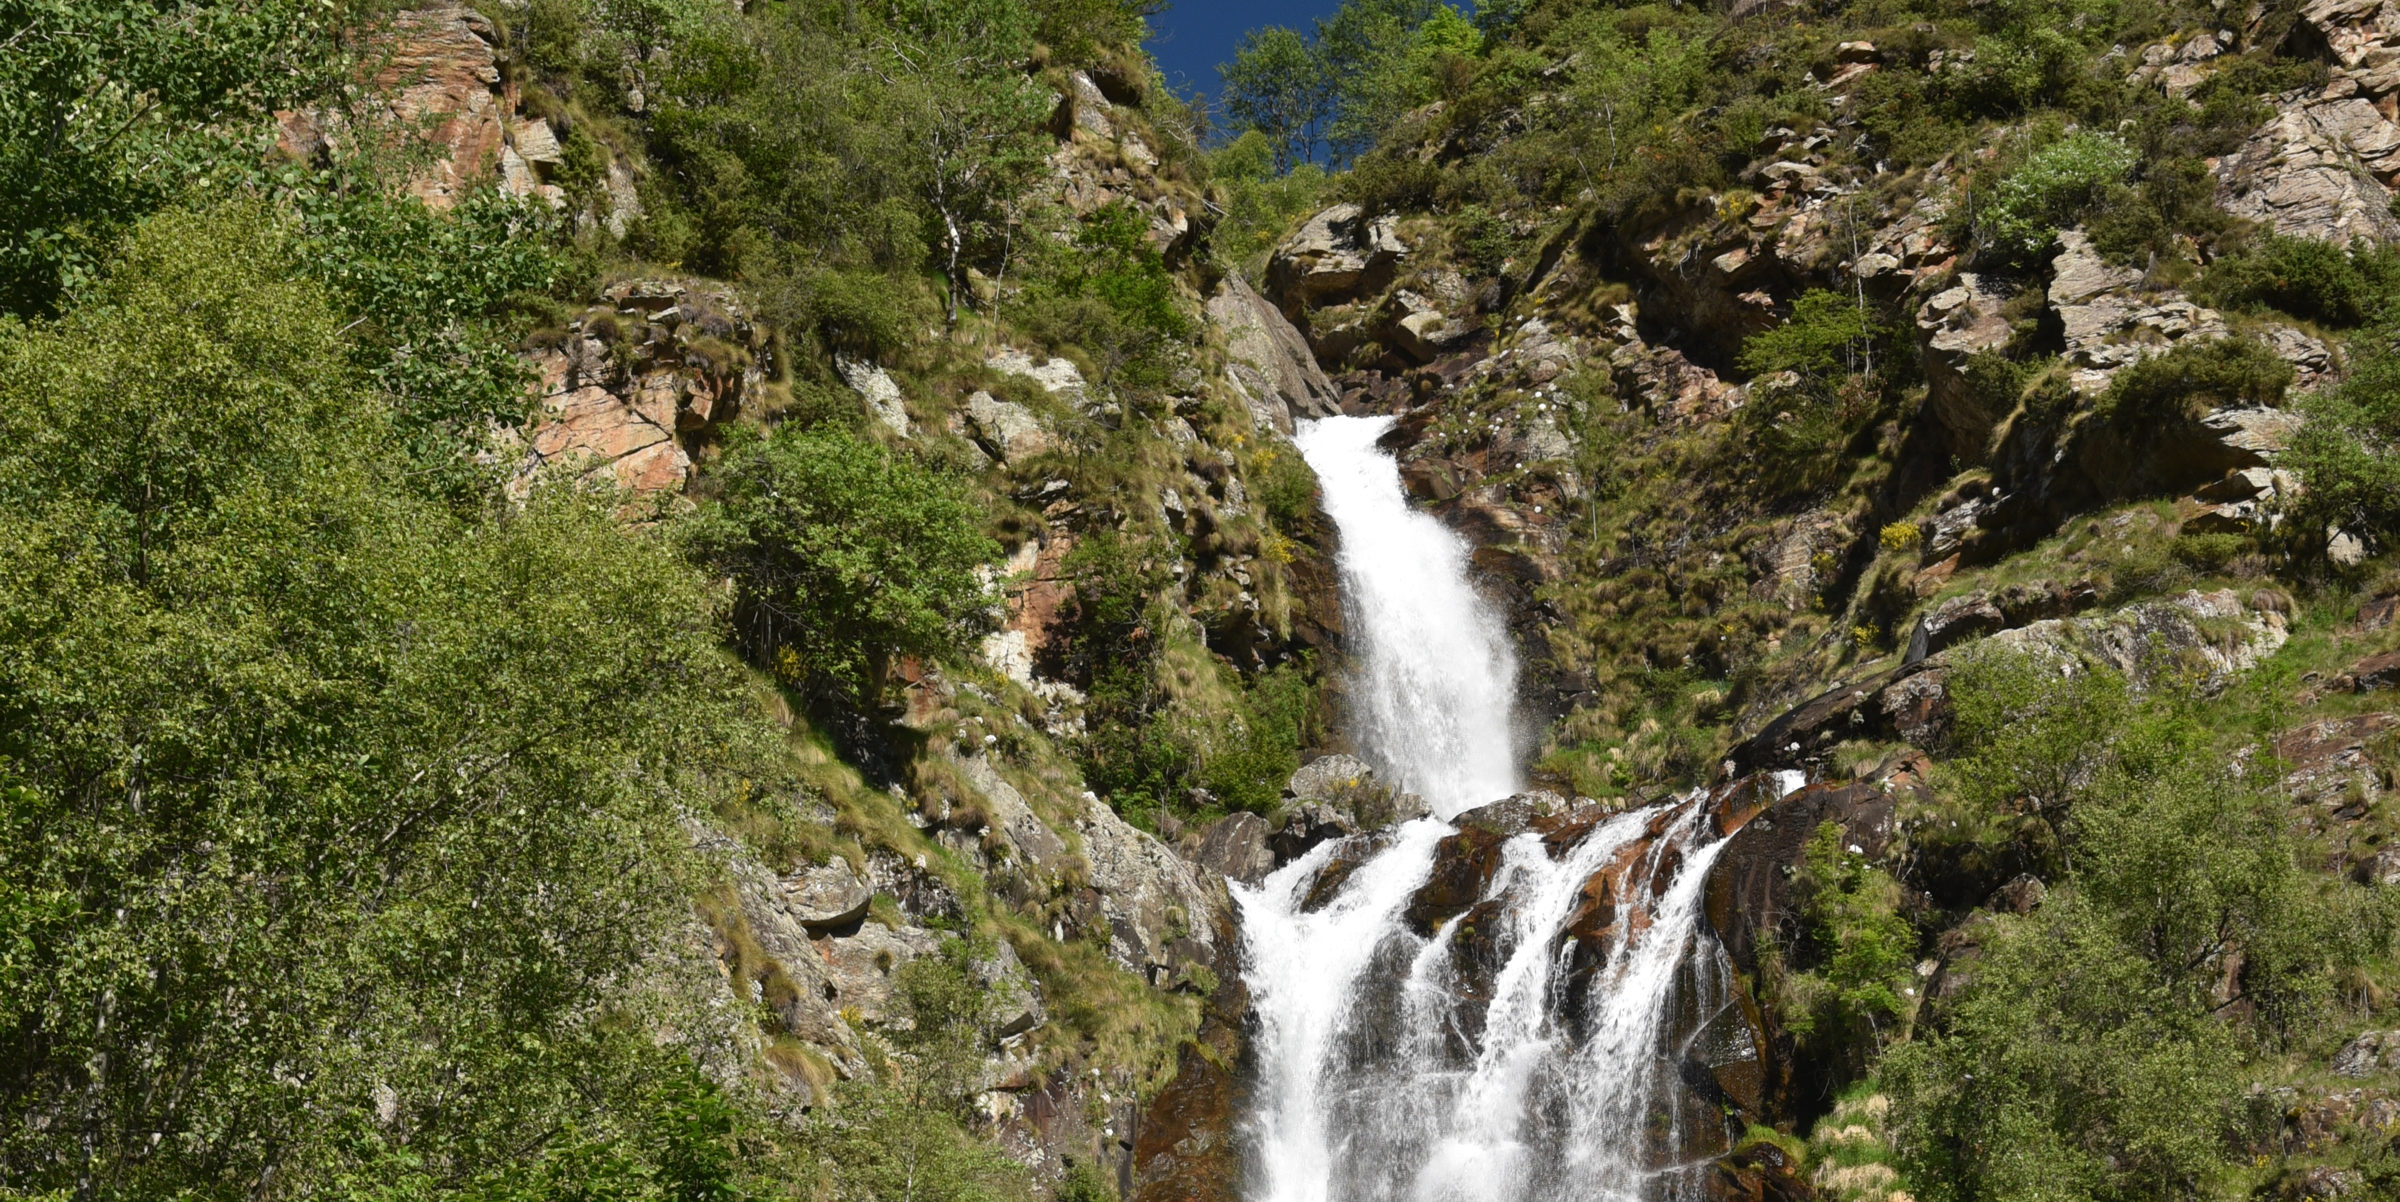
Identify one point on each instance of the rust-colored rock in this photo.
(1185, 1151)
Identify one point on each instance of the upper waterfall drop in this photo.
(1500, 1010)
(1435, 678)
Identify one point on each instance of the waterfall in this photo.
(1526, 1050)
(1436, 679)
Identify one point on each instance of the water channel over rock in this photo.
(1501, 1002)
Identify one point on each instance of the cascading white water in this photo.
(1436, 680)
(1478, 1060)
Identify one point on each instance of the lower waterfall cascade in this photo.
(1527, 1048)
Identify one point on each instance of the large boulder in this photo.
(1336, 256)
(1235, 847)
(1334, 797)
(1008, 431)
(2203, 638)
(2372, 1054)
(1157, 913)
(1268, 361)
(826, 897)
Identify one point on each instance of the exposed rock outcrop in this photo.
(1268, 362)
(633, 386)
(1336, 256)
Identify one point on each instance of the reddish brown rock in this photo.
(1463, 865)
(2375, 673)
(1750, 886)
(437, 73)
(1185, 1151)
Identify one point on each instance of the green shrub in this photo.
(2196, 377)
(1827, 335)
(1862, 948)
(843, 555)
(2093, 1052)
(1261, 205)
(294, 750)
(2049, 190)
(2304, 277)
(2208, 552)
(2347, 453)
(1285, 487)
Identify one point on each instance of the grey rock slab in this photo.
(2369, 1054)
(1007, 429)
(1235, 847)
(825, 897)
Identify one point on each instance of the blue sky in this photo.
(1190, 39)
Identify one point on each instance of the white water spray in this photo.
(1517, 1052)
(1436, 679)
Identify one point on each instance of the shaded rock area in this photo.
(1333, 258)
(1185, 1149)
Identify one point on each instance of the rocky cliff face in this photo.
(1946, 553)
(1495, 378)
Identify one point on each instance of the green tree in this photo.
(2348, 451)
(111, 108)
(969, 115)
(335, 818)
(2099, 1046)
(1279, 84)
(843, 555)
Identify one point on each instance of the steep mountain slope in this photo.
(1980, 411)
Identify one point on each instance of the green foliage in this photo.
(799, 142)
(1285, 487)
(1078, 30)
(2195, 377)
(1341, 86)
(903, 1135)
(1085, 1183)
(1262, 199)
(2304, 277)
(2030, 735)
(1851, 1000)
(437, 299)
(1830, 344)
(1120, 267)
(1277, 87)
(1828, 335)
(1246, 763)
(1483, 241)
(1114, 300)
(2048, 191)
(333, 806)
(110, 109)
(2348, 451)
(843, 555)
(2067, 1072)
(2098, 1051)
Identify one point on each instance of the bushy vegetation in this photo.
(2194, 377)
(2100, 1046)
(331, 806)
(843, 555)
(109, 111)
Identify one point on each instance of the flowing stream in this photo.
(1526, 1049)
